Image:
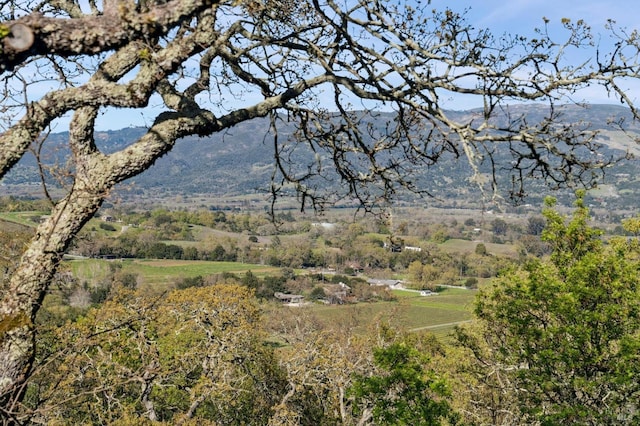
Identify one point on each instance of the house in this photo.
(344, 287)
(397, 284)
(324, 225)
(337, 294)
(292, 299)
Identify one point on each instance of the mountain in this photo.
(240, 160)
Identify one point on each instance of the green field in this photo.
(438, 313)
(465, 246)
(23, 218)
(159, 273)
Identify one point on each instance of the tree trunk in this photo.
(29, 284)
(95, 175)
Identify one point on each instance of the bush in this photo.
(107, 227)
(481, 249)
(317, 293)
(188, 282)
(349, 270)
(471, 282)
(440, 236)
(99, 294)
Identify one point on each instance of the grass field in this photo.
(23, 218)
(159, 273)
(30, 219)
(466, 246)
(438, 313)
(160, 270)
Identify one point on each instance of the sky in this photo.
(521, 16)
(500, 16)
(524, 16)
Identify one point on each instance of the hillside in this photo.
(240, 161)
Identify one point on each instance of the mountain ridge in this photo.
(241, 160)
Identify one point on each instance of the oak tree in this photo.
(193, 355)
(404, 392)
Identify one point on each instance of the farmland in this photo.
(437, 313)
(410, 311)
(155, 275)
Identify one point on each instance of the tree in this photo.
(300, 64)
(414, 270)
(481, 249)
(632, 225)
(535, 225)
(562, 336)
(499, 227)
(317, 293)
(196, 354)
(320, 363)
(531, 245)
(403, 391)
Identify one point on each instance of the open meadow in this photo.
(438, 313)
(160, 273)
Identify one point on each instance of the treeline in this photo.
(295, 242)
(217, 219)
(364, 246)
(125, 247)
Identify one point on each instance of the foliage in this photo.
(192, 354)
(499, 227)
(12, 241)
(481, 249)
(15, 204)
(404, 392)
(107, 227)
(188, 282)
(200, 67)
(565, 333)
(317, 293)
(471, 282)
(532, 245)
(440, 235)
(535, 225)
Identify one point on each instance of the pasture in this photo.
(439, 312)
(30, 218)
(159, 274)
(465, 246)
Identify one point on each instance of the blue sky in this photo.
(521, 16)
(500, 16)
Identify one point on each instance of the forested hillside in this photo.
(240, 161)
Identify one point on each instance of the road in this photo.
(447, 324)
